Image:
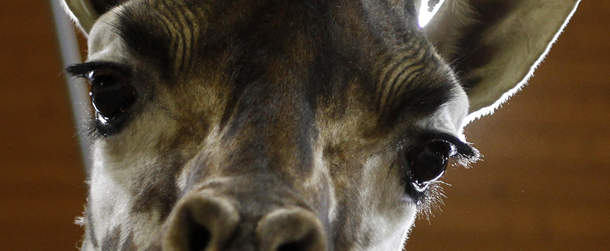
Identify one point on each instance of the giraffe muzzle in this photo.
(210, 223)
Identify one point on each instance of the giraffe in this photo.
(279, 125)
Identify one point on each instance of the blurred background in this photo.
(543, 184)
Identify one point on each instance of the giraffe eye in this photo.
(428, 163)
(110, 93)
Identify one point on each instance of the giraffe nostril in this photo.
(291, 246)
(294, 246)
(198, 236)
(291, 230)
(200, 223)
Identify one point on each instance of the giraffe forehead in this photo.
(171, 33)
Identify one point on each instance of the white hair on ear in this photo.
(69, 12)
(82, 13)
(426, 13)
(448, 26)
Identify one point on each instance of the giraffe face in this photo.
(267, 125)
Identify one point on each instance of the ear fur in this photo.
(86, 12)
(495, 45)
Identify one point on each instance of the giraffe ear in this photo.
(86, 12)
(495, 45)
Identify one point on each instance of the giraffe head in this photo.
(289, 125)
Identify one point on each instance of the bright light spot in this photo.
(103, 120)
(426, 13)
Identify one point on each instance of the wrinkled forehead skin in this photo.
(268, 104)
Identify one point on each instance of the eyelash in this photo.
(465, 154)
(85, 69)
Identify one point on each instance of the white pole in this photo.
(77, 88)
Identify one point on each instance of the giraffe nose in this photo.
(213, 224)
(208, 223)
(291, 230)
(200, 223)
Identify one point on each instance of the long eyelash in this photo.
(92, 130)
(78, 70)
(466, 154)
(466, 160)
(433, 200)
(96, 130)
(82, 70)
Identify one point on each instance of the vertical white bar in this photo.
(70, 54)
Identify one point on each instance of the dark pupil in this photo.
(429, 162)
(109, 96)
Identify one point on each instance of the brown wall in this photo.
(543, 184)
(41, 182)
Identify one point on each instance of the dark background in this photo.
(543, 184)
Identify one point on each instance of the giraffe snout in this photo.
(208, 223)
